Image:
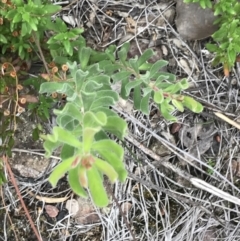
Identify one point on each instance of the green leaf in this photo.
(122, 53)
(108, 67)
(137, 97)
(192, 104)
(59, 87)
(131, 85)
(174, 88)
(3, 39)
(178, 105)
(122, 75)
(115, 162)
(68, 47)
(61, 26)
(212, 47)
(73, 180)
(134, 64)
(96, 187)
(32, 25)
(106, 169)
(147, 54)
(24, 30)
(110, 51)
(84, 56)
(88, 138)
(166, 110)
(51, 9)
(49, 146)
(64, 136)
(157, 66)
(59, 171)
(35, 134)
(116, 126)
(67, 151)
(184, 84)
(144, 107)
(147, 90)
(26, 17)
(72, 111)
(109, 146)
(231, 55)
(203, 4)
(11, 14)
(17, 18)
(94, 120)
(158, 96)
(123, 93)
(103, 80)
(102, 102)
(92, 86)
(79, 79)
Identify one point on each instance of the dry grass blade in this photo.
(229, 121)
(213, 190)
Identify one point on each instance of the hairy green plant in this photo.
(86, 121)
(84, 124)
(227, 37)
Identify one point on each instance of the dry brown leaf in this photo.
(131, 25)
(51, 210)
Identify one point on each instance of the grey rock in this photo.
(193, 22)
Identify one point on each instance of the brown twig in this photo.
(13, 180)
(41, 53)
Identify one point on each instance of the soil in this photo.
(158, 200)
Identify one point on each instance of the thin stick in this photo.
(13, 180)
(229, 121)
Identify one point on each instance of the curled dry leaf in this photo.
(51, 210)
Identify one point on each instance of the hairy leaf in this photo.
(60, 170)
(96, 187)
(74, 182)
(106, 169)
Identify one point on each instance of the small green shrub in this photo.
(86, 121)
(227, 37)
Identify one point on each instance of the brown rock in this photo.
(193, 22)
